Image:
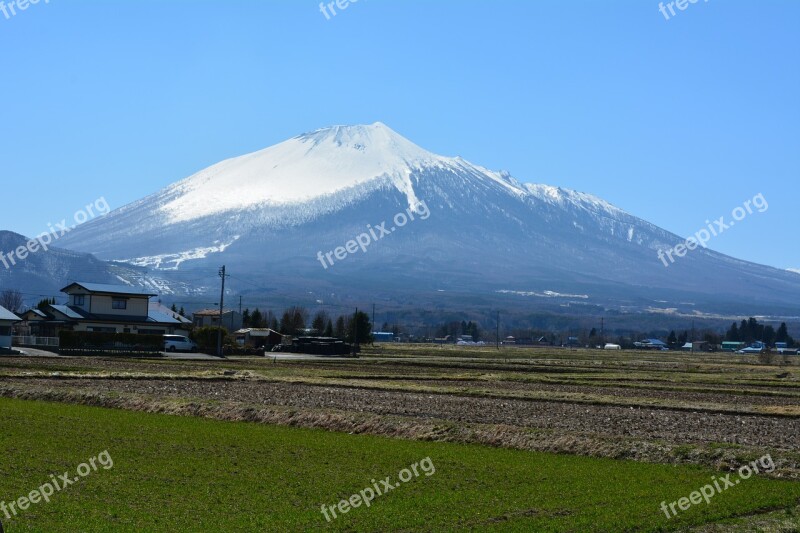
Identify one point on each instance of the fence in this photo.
(51, 342)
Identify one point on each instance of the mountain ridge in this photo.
(273, 210)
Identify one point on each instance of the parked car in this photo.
(178, 343)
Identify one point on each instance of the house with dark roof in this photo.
(258, 337)
(106, 308)
(7, 320)
(652, 344)
(231, 320)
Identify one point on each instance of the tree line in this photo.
(295, 322)
(750, 331)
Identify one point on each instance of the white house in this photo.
(107, 308)
(7, 320)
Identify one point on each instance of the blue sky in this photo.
(676, 121)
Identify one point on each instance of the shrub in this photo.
(206, 338)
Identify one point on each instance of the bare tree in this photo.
(11, 300)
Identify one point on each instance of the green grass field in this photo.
(191, 474)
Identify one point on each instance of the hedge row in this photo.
(113, 343)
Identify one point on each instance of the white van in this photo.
(178, 343)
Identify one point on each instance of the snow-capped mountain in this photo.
(45, 272)
(273, 215)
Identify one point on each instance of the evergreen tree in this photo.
(683, 338)
(293, 321)
(246, 318)
(744, 332)
(319, 322)
(733, 334)
(783, 333)
(475, 331)
(256, 319)
(769, 335)
(182, 312)
(286, 323)
(341, 330)
(359, 324)
(672, 340)
(174, 308)
(42, 305)
(329, 329)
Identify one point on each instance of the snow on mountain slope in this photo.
(301, 169)
(269, 213)
(296, 182)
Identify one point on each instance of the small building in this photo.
(209, 318)
(382, 336)
(7, 321)
(258, 338)
(731, 346)
(573, 342)
(543, 341)
(31, 323)
(651, 344)
(697, 346)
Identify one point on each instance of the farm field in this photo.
(522, 439)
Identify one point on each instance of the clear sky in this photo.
(677, 121)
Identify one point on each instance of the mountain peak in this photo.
(377, 139)
(303, 168)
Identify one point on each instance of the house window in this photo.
(119, 303)
(79, 299)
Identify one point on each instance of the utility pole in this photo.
(221, 307)
(355, 334)
(693, 336)
(373, 317)
(602, 331)
(497, 333)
